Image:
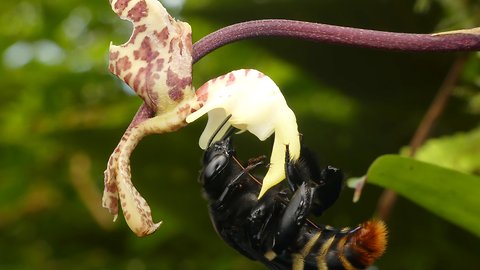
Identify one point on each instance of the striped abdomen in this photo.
(329, 248)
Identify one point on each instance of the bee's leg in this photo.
(235, 185)
(327, 183)
(292, 173)
(294, 217)
(328, 190)
(260, 221)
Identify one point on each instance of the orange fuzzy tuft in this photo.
(370, 241)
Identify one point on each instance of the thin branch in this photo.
(462, 40)
(387, 200)
(438, 104)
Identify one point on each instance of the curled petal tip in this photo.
(157, 225)
(263, 190)
(141, 232)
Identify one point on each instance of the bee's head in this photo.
(217, 158)
(216, 167)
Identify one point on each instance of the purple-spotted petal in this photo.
(156, 63)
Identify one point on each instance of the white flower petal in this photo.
(215, 119)
(256, 104)
(286, 133)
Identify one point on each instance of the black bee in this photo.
(275, 230)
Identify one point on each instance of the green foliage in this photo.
(459, 152)
(448, 193)
(61, 115)
(457, 14)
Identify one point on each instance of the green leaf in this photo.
(450, 194)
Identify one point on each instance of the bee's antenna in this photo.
(228, 133)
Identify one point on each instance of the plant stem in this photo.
(446, 42)
(387, 200)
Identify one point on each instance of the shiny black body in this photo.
(275, 230)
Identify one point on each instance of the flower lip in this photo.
(255, 104)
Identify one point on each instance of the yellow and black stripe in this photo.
(328, 248)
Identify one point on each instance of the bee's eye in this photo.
(215, 165)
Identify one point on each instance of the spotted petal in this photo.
(156, 63)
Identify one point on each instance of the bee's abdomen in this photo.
(346, 249)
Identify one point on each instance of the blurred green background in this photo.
(62, 113)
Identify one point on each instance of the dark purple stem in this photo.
(336, 35)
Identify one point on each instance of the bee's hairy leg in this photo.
(294, 217)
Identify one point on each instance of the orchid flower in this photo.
(156, 63)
